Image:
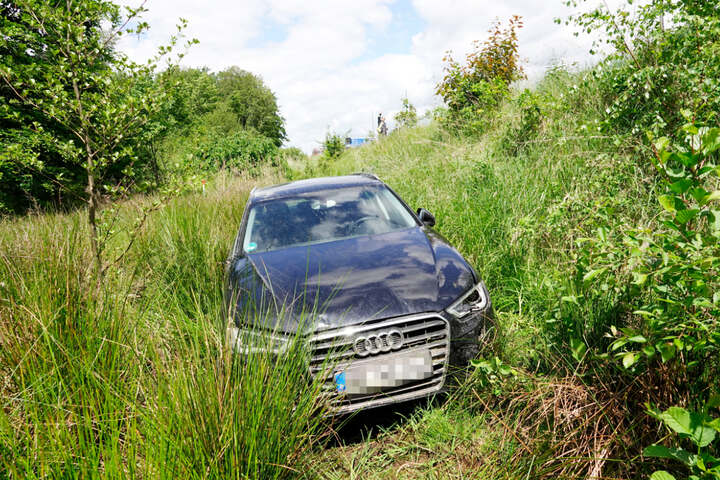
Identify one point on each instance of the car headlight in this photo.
(474, 300)
(245, 340)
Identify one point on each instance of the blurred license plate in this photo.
(386, 371)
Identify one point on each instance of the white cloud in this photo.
(319, 59)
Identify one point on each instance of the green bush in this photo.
(241, 150)
(473, 90)
(697, 427)
(333, 146)
(407, 117)
(668, 278)
(665, 60)
(517, 137)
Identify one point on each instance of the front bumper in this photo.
(448, 341)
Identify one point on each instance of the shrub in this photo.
(670, 276)
(288, 159)
(471, 91)
(701, 430)
(333, 146)
(641, 82)
(241, 150)
(516, 137)
(407, 117)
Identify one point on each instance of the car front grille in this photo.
(333, 351)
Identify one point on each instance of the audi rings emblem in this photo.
(378, 342)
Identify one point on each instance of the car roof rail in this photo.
(368, 175)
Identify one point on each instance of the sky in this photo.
(335, 64)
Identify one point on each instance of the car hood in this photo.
(349, 281)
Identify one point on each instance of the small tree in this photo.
(488, 71)
(84, 84)
(407, 117)
(334, 145)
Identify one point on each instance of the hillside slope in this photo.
(515, 201)
(137, 370)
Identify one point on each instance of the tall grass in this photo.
(134, 379)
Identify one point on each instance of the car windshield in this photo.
(324, 216)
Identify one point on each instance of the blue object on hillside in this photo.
(356, 142)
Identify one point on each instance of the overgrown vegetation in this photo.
(594, 224)
(216, 121)
(81, 122)
(135, 380)
(589, 204)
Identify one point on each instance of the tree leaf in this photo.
(578, 348)
(715, 424)
(668, 202)
(629, 359)
(661, 475)
(667, 351)
(592, 274)
(690, 424)
(657, 451)
(660, 451)
(687, 159)
(703, 434)
(681, 186)
(684, 216)
(678, 419)
(711, 140)
(714, 196)
(699, 194)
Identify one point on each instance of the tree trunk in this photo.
(92, 217)
(91, 188)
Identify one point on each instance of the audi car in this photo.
(393, 305)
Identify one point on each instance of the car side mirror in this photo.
(426, 217)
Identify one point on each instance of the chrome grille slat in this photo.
(427, 336)
(333, 344)
(379, 325)
(438, 323)
(332, 352)
(321, 358)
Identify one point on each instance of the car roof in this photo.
(312, 185)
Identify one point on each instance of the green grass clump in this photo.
(132, 378)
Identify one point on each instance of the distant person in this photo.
(382, 127)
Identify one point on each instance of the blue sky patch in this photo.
(272, 32)
(395, 38)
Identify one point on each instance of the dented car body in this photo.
(393, 304)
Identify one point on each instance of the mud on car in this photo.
(395, 304)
